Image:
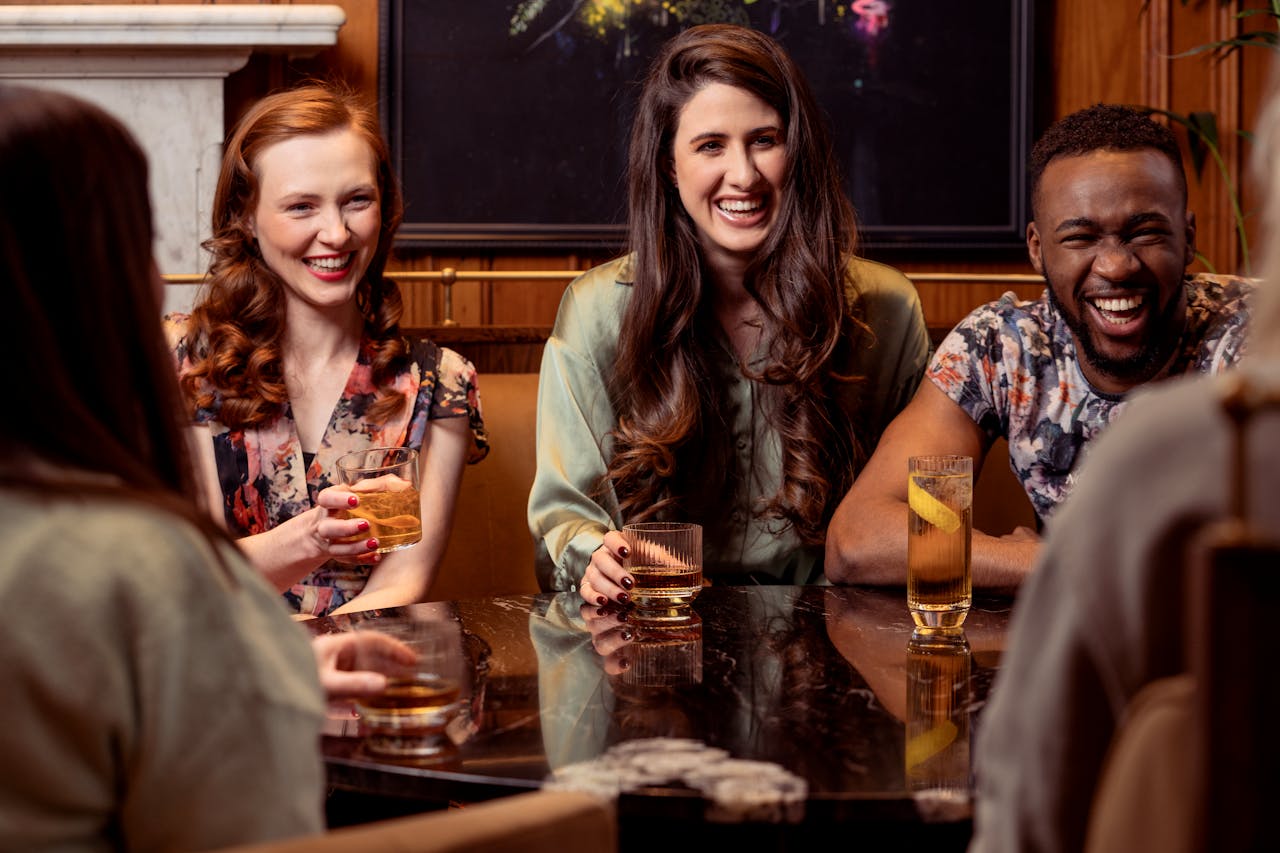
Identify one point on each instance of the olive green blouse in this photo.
(576, 416)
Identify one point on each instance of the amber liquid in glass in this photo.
(395, 518)
(665, 586)
(939, 584)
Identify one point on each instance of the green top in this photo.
(575, 417)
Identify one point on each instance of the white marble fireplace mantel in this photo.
(160, 68)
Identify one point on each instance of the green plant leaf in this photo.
(1203, 138)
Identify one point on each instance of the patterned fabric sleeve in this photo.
(457, 394)
(970, 365)
(175, 330)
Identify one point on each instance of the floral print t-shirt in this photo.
(265, 479)
(1012, 367)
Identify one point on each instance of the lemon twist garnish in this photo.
(931, 509)
(926, 745)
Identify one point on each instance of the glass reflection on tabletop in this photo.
(938, 706)
(793, 700)
(665, 652)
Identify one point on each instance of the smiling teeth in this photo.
(1128, 303)
(328, 264)
(739, 206)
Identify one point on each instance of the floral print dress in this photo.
(265, 479)
(1012, 366)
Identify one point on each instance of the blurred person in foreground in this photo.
(293, 356)
(157, 694)
(1113, 238)
(735, 368)
(1103, 614)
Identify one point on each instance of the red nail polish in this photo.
(624, 552)
(623, 598)
(601, 600)
(627, 583)
(371, 544)
(353, 501)
(363, 526)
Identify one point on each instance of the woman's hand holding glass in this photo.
(337, 656)
(334, 535)
(605, 580)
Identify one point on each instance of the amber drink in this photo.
(665, 560)
(385, 479)
(939, 530)
(424, 693)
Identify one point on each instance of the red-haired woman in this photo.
(293, 356)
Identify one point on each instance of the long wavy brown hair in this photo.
(236, 329)
(672, 455)
(90, 363)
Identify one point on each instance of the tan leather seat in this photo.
(490, 549)
(536, 822)
(1150, 775)
(999, 502)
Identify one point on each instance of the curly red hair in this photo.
(235, 331)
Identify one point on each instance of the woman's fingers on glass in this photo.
(378, 651)
(615, 544)
(337, 498)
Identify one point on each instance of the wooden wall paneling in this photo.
(1103, 51)
(1198, 83)
(524, 303)
(947, 303)
(1255, 74)
(1097, 46)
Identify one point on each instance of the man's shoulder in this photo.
(1220, 292)
(1009, 321)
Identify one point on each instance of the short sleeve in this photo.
(457, 394)
(175, 331)
(970, 365)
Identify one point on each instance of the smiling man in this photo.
(1113, 238)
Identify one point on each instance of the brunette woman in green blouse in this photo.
(738, 365)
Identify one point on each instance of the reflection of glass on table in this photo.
(810, 678)
(938, 703)
(666, 652)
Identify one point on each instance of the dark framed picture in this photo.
(509, 121)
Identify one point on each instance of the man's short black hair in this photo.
(1102, 127)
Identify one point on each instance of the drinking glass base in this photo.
(939, 618)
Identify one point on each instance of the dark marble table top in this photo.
(765, 703)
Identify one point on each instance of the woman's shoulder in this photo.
(607, 282)
(593, 304)
(140, 551)
(872, 279)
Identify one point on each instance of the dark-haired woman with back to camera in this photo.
(737, 367)
(156, 694)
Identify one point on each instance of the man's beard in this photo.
(1135, 368)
